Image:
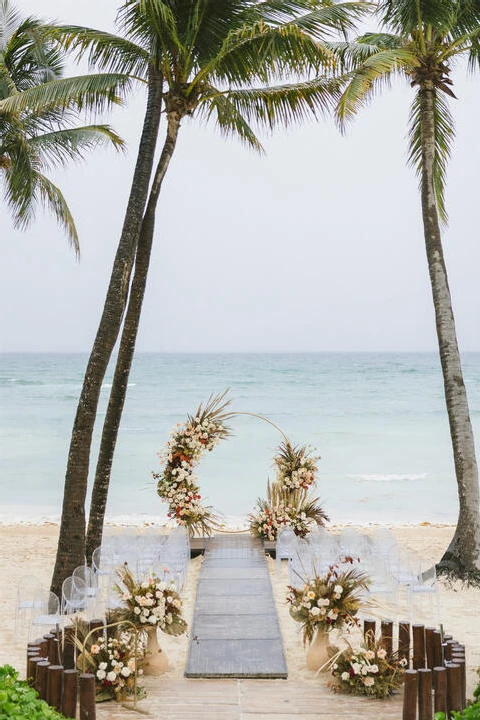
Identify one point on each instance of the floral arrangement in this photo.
(368, 671)
(329, 601)
(295, 469)
(281, 508)
(149, 603)
(178, 484)
(115, 658)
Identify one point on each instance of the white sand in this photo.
(31, 550)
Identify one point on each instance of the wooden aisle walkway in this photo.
(235, 631)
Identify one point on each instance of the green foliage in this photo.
(472, 712)
(19, 700)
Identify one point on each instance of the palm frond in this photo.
(363, 83)
(106, 51)
(444, 134)
(286, 105)
(229, 120)
(214, 412)
(57, 147)
(92, 92)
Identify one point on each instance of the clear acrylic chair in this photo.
(73, 601)
(284, 547)
(48, 616)
(30, 598)
(423, 598)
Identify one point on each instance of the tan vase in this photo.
(318, 652)
(156, 661)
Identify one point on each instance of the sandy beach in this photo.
(31, 549)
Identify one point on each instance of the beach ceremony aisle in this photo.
(235, 629)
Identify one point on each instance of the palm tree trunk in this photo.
(71, 544)
(462, 558)
(127, 347)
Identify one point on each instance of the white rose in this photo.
(338, 589)
(315, 611)
(373, 669)
(111, 676)
(356, 668)
(137, 610)
(126, 671)
(101, 674)
(382, 653)
(102, 666)
(368, 681)
(370, 655)
(345, 676)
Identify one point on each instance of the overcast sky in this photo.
(316, 246)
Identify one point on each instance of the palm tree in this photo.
(227, 61)
(35, 140)
(422, 40)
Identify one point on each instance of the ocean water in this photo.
(378, 421)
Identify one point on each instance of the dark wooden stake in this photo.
(425, 706)
(369, 631)
(32, 669)
(410, 695)
(454, 686)
(387, 636)
(404, 640)
(437, 649)
(440, 685)
(418, 632)
(430, 647)
(68, 650)
(41, 679)
(87, 696)
(54, 686)
(69, 702)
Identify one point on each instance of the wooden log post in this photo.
(418, 632)
(53, 650)
(32, 670)
(44, 647)
(55, 686)
(425, 705)
(447, 652)
(33, 651)
(87, 696)
(440, 687)
(409, 711)
(68, 648)
(69, 700)
(369, 631)
(404, 641)
(460, 661)
(437, 649)
(41, 679)
(454, 687)
(386, 637)
(430, 647)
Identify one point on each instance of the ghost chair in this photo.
(423, 598)
(74, 600)
(47, 617)
(285, 546)
(30, 597)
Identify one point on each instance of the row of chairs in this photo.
(396, 575)
(90, 591)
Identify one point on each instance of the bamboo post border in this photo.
(136, 633)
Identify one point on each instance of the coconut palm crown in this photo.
(421, 41)
(38, 136)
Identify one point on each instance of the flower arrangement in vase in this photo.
(368, 671)
(149, 603)
(328, 602)
(178, 484)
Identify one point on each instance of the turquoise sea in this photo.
(378, 420)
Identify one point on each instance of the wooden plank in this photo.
(235, 630)
(240, 627)
(237, 659)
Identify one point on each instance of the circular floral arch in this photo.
(288, 498)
